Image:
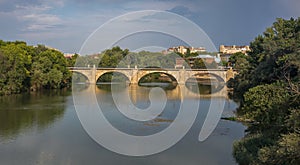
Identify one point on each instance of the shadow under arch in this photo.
(109, 79)
(205, 83)
(158, 79)
(79, 78)
(113, 77)
(80, 81)
(211, 76)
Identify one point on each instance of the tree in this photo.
(265, 104)
(26, 67)
(199, 64)
(49, 70)
(239, 61)
(15, 61)
(272, 56)
(268, 87)
(72, 61)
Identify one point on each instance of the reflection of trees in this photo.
(157, 78)
(78, 78)
(163, 85)
(113, 77)
(22, 112)
(201, 88)
(107, 87)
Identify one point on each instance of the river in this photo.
(43, 128)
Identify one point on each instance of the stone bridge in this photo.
(135, 74)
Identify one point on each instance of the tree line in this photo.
(268, 88)
(24, 68)
(116, 57)
(119, 58)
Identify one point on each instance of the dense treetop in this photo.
(24, 68)
(268, 87)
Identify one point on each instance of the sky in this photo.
(67, 24)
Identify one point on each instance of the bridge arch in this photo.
(86, 75)
(100, 74)
(218, 77)
(167, 74)
(207, 86)
(143, 73)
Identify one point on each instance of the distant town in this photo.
(191, 54)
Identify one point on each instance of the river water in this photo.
(43, 128)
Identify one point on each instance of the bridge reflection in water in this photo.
(132, 98)
(137, 92)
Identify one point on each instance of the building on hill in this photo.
(184, 49)
(51, 48)
(68, 55)
(227, 51)
(208, 59)
(233, 49)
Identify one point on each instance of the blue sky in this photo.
(66, 24)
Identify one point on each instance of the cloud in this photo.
(40, 21)
(66, 23)
(146, 5)
(35, 16)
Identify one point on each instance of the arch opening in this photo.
(205, 83)
(79, 81)
(79, 78)
(158, 79)
(113, 77)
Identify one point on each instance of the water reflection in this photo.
(19, 113)
(173, 91)
(139, 95)
(108, 86)
(46, 130)
(205, 89)
(163, 85)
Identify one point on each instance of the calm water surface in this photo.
(43, 128)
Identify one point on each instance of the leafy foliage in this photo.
(268, 86)
(199, 64)
(239, 61)
(116, 57)
(26, 67)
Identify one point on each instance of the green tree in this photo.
(14, 70)
(49, 70)
(72, 61)
(26, 67)
(269, 91)
(239, 61)
(199, 64)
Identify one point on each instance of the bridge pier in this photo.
(93, 79)
(134, 77)
(181, 78)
